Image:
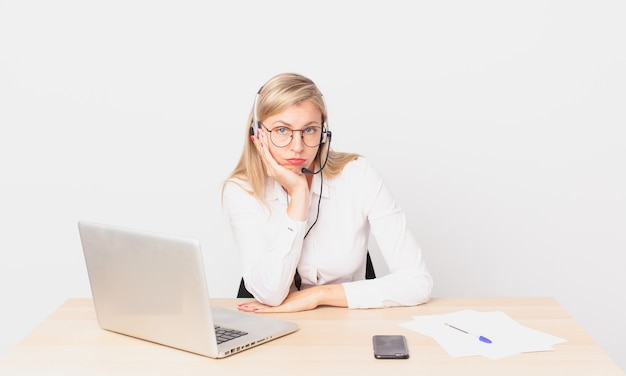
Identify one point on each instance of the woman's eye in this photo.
(282, 130)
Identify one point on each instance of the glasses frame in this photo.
(291, 136)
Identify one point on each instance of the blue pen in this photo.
(480, 338)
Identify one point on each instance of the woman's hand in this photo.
(303, 300)
(290, 180)
(295, 184)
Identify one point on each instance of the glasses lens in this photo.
(311, 136)
(281, 137)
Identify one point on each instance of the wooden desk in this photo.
(331, 341)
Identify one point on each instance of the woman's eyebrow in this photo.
(285, 124)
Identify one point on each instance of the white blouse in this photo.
(353, 205)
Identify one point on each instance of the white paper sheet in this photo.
(507, 335)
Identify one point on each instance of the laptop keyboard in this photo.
(225, 334)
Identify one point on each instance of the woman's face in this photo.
(298, 117)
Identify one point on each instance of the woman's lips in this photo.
(296, 161)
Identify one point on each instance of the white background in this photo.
(497, 125)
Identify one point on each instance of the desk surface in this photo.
(330, 341)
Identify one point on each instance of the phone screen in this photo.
(390, 347)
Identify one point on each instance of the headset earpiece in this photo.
(324, 135)
(325, 132)
(254, 128)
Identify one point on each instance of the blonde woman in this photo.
(302, 214)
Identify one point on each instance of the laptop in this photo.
(153, 287)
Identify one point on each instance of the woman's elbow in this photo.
(270, 297)
(422, 289)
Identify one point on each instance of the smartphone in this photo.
(390, 347)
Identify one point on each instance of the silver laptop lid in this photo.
(150, 287)
(153, 286)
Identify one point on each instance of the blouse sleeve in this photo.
(408, 282)
(269, 244)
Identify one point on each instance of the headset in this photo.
(256, 125)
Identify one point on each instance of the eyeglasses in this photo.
(282, 136)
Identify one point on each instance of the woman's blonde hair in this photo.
(275, 96)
